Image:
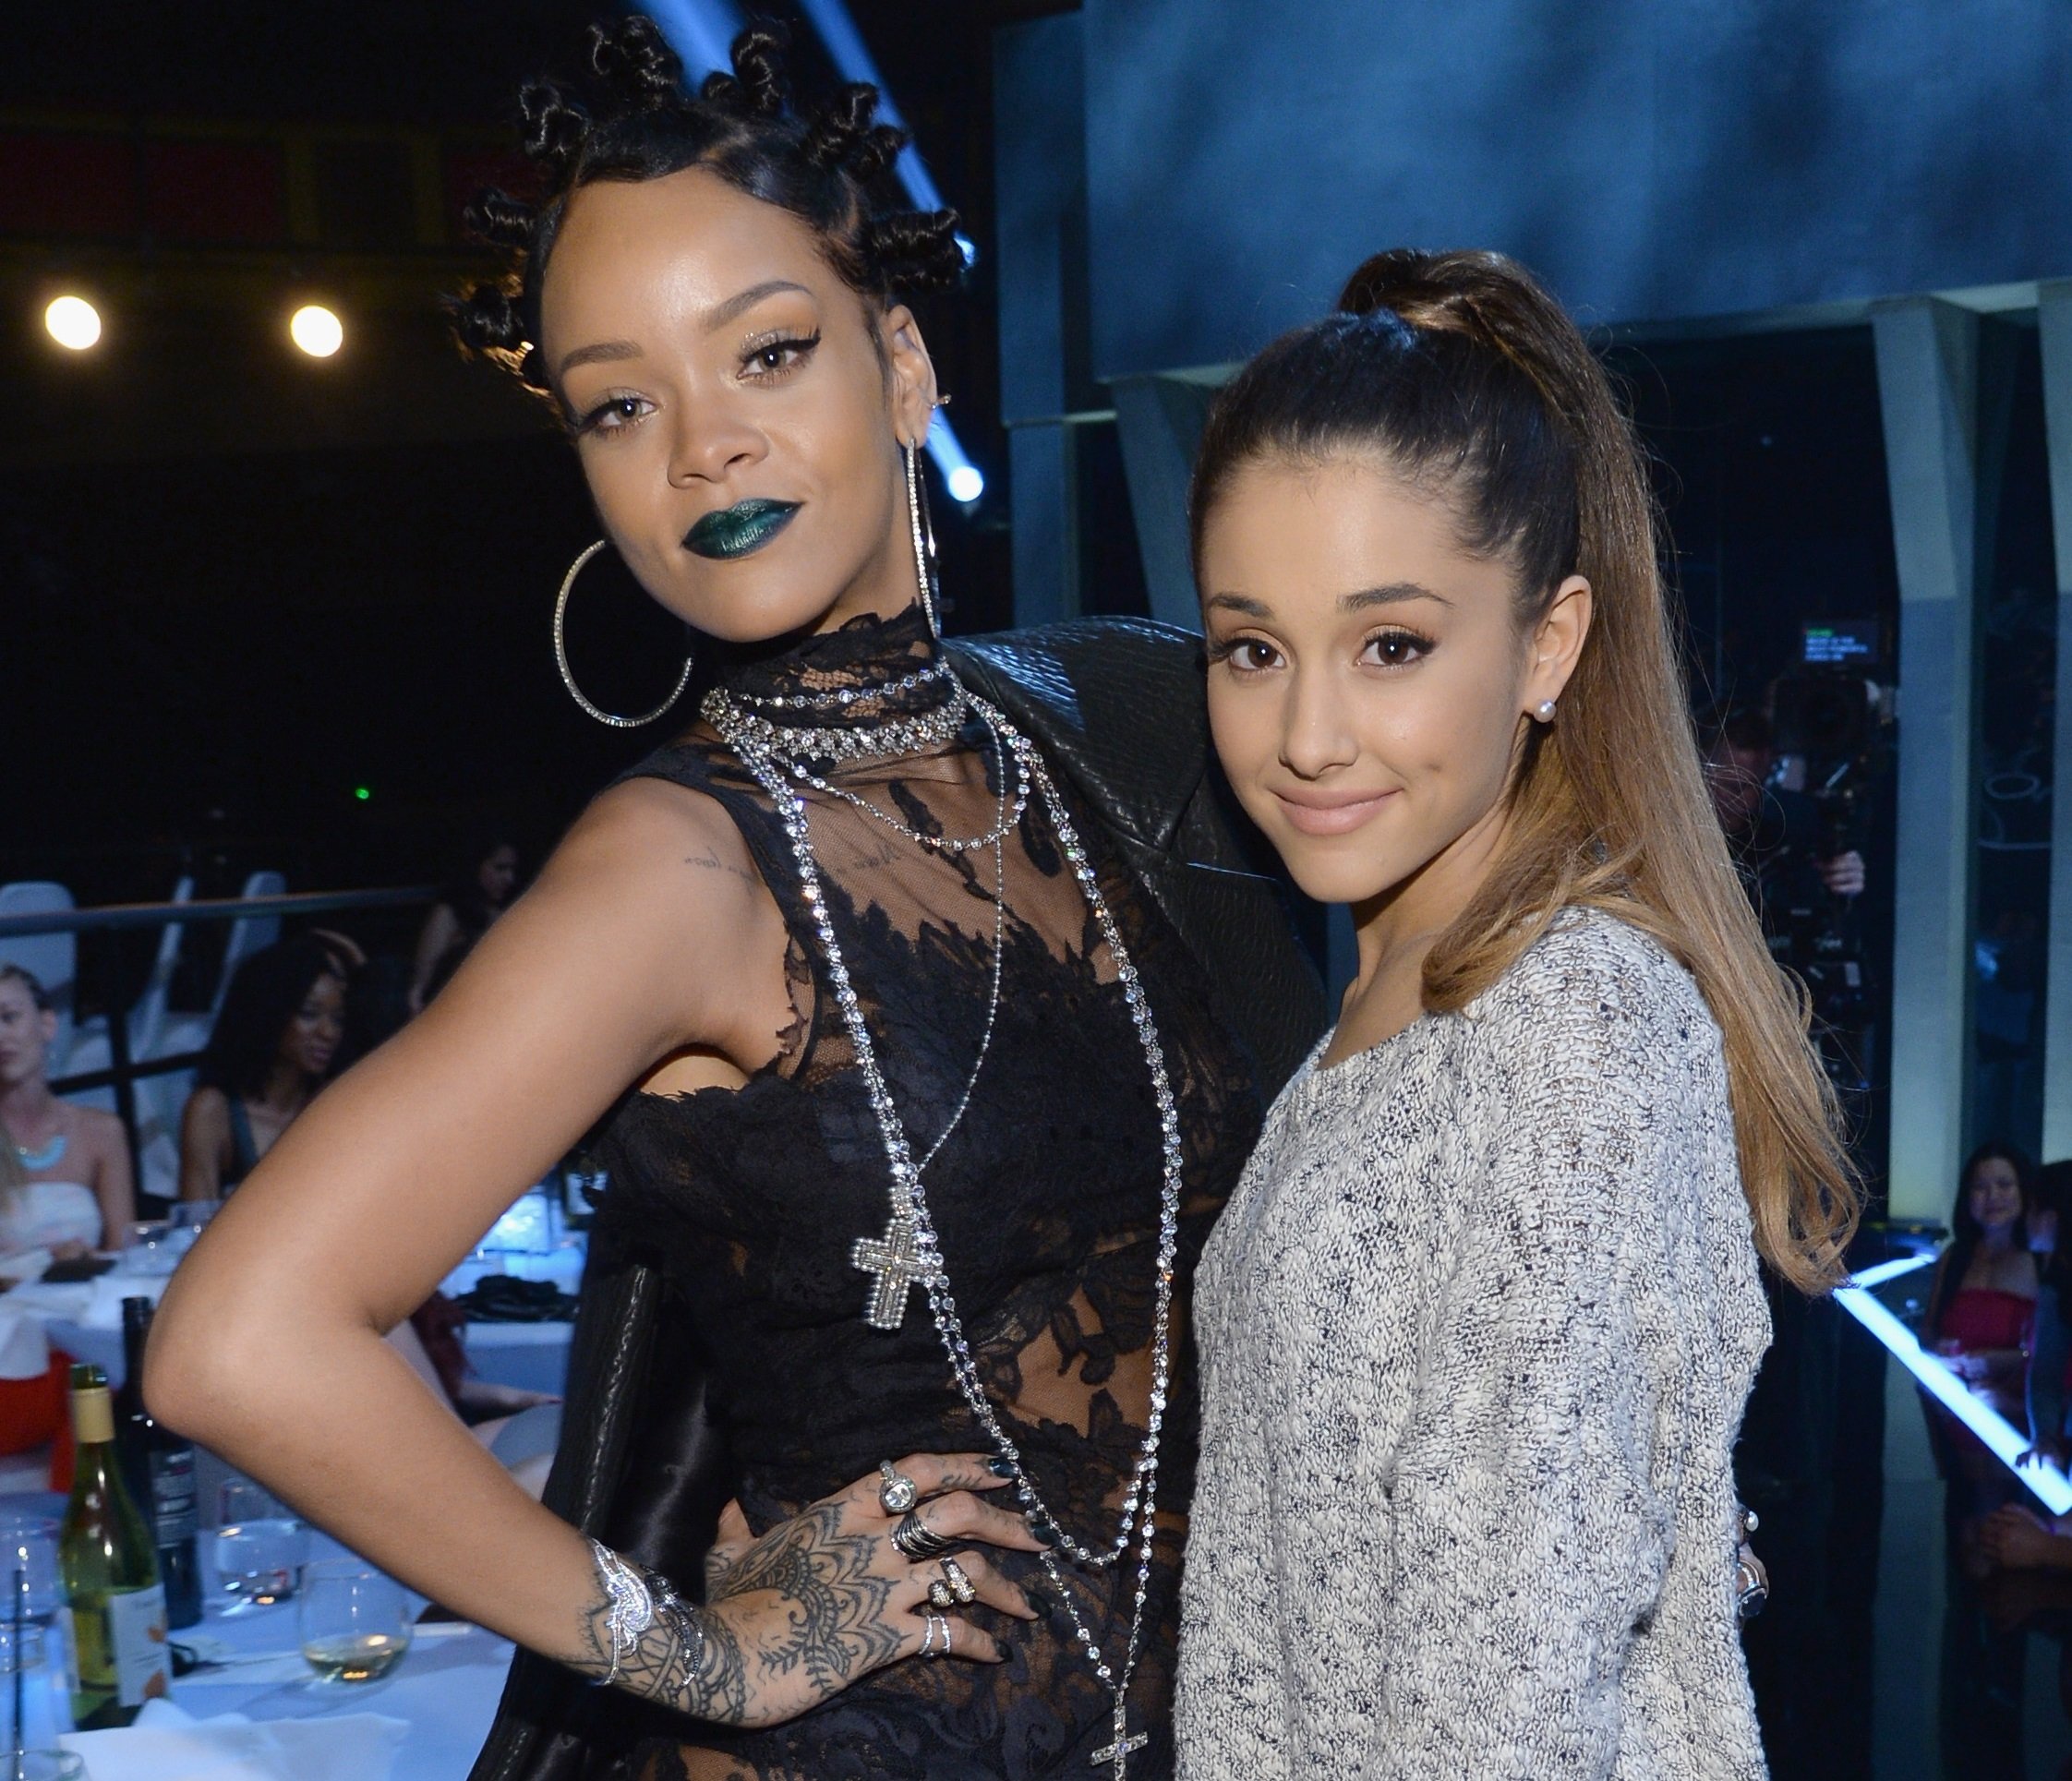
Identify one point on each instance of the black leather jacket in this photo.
(1117, 706)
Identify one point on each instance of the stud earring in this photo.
(1544, 711)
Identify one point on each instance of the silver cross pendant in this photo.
(1117, 1753)
(894, 1258)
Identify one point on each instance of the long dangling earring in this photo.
(561, 656)
(924, 535)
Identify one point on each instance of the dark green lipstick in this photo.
(740, 530)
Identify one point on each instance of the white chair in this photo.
(154, 1033)
(249, 933)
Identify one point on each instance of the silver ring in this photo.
(919, 1542)
(899, 1493)
(933, 1626)
(940, 1594)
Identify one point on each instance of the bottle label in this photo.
(173, 1500)
(137, 1642)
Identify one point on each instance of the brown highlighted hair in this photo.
(1461, 374)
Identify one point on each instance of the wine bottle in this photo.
(158, 1467)
(115, 1604)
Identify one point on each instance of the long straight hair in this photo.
(1465, 376)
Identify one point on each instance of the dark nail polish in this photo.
(1001, 1468)
(1043, 1528)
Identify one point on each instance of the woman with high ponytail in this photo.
(1479, 1324)
(914, 1057)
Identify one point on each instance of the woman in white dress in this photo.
(64, 1175)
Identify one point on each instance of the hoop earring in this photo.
(924, 527)
(561, 654)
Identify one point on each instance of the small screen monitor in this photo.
(1844, 642)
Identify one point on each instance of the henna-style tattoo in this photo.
(833, 1627)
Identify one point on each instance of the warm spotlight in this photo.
(73, 322)
(316, 330)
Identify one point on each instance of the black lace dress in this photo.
(1045, 1198)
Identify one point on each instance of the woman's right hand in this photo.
(822, 1600)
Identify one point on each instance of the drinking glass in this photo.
(260, 1546)
(151, 1250)
(190, 1217)
(29, 1544)
(41, 1765)
(355, 1622)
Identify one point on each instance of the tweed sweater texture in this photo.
(1476, 1333)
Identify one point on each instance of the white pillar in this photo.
(1927, 368)
(2055, 314)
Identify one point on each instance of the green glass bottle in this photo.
(115, 1602)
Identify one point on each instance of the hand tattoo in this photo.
(798, 1615)
(831, 1626)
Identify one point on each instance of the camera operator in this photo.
(1775, 834)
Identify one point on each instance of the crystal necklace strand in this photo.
(911, 1250)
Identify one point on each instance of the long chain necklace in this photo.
(909, 1252)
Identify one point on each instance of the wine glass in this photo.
(355, 1622)
(260, 1546)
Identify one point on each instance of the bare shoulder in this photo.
(207, 1106)
(652, 907)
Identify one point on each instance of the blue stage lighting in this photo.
(846, 51)
(2007, 1442)
(966, 483)
(701, 32)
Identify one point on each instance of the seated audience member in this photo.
(64, 1175)
(271, 1051)
(462, 916)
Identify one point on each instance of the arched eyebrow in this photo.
(717, 317)
(1393, 594)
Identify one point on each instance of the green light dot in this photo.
(362, 793)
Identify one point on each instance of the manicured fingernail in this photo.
(1001, 1468)
(1043, 1528)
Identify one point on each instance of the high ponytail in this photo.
(1460, 369)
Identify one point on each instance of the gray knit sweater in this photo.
(1477, 1332)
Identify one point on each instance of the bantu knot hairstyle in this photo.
(636, 120)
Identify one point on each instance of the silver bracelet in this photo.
(639, 1599)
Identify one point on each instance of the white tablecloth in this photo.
(445, 1690)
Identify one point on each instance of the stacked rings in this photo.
(899, 1493)
(953, 1588)
(919, 1542)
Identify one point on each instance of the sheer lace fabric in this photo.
(1045, 1197)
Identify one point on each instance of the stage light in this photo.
(72, 322)
(966, 483)
(363, 793)
(317, 331)
(2001, 1437)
